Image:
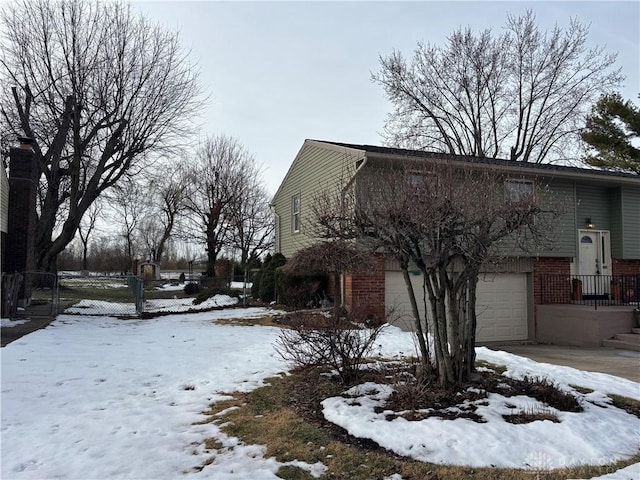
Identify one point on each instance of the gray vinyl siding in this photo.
(631, 223)
(314, 170)
(593, 202)
(557, 195)
(561, 196)
(610, 202)
(617, 223)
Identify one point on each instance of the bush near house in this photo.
(335, 339)
(264, 281)
(301, 291)
(191, 288)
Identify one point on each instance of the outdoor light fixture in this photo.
(587, 223)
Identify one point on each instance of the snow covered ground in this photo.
(6, 323)
(97, 397)
(172, 287)
(173, 305)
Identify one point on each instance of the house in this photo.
(596, 253)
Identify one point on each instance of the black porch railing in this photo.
(596, 290)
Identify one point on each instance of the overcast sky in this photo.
(280, 72)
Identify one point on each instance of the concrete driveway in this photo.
(621, 363)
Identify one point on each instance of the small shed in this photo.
(150, 270)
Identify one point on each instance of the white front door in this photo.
(588, 254)
(594, 258)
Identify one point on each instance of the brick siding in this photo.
(23, 175)
(552, 266)
(628, 288)
(364, 292)
(625, 267)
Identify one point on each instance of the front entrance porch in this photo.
(583, 325)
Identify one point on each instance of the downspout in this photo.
(342, 197)
(277, 229)
(352, 179)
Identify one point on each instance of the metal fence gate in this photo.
(29, 294)
(114, 295)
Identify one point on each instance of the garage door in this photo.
(501, 305)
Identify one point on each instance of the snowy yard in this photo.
(98, 397)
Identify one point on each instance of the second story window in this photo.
(423, 183)
(518, 190)
(295, 213)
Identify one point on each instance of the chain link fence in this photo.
(132, 296)
(116, 295)
(35, 294)
(29, 294)
(192, 293)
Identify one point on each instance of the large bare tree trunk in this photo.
(110, 89)
(421, 333)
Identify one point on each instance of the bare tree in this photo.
(128, 209)
(166, 201)
(449, 222)
(521, 95)
(108, 253)
(97, 89)
(252, 224)
(85, 228)
(219, 180)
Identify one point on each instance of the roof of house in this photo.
(542, 168)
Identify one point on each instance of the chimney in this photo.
(20, 246)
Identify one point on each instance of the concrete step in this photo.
(623, 345)
(636, 330)
(628, 337)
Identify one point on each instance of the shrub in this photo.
(546, 391)
(267, 286)
(335, 341)
(191, 288)
(299, 291)
(181, 278)
(264, 281)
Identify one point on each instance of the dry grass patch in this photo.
(265, 321)
(629, 405)
(484, 365)
(582, 390)
(286, 416)
(531, 415)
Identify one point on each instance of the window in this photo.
(423, 183)
(518, 190)
(295, 213)
(586, 239)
